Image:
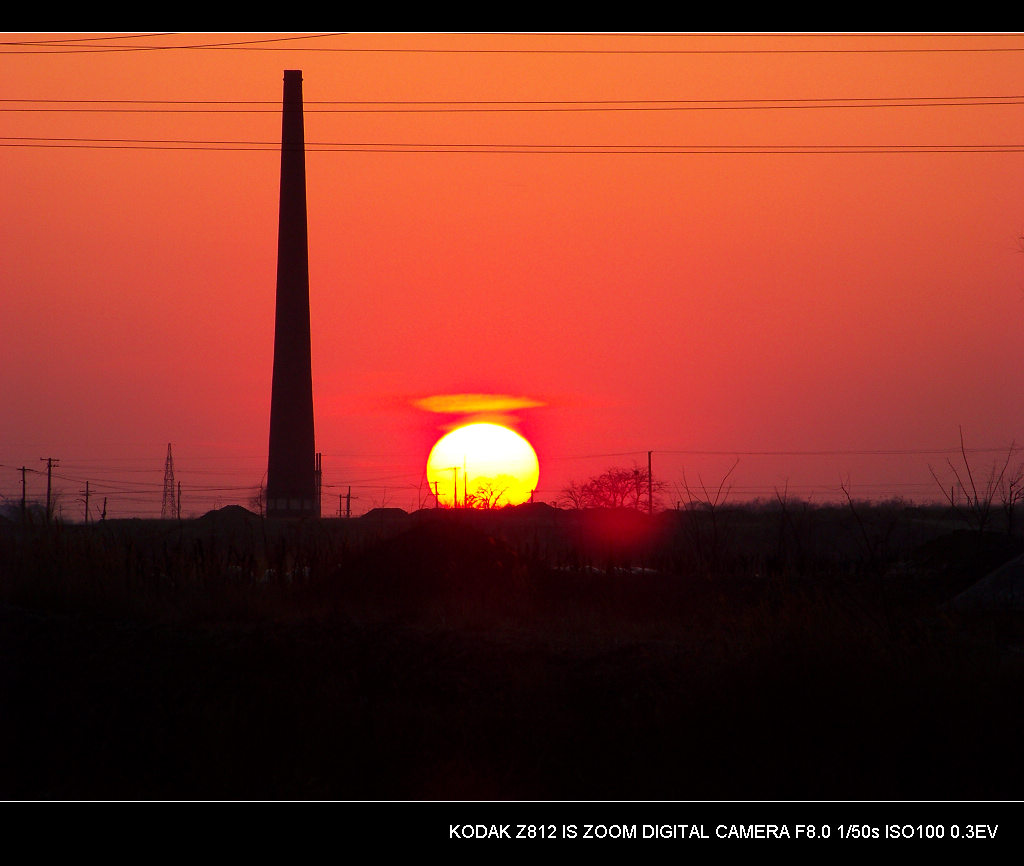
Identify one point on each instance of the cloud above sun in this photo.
(462, 404)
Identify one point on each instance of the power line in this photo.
(541, 149)
(77, 39)
(34, 47)
(541, 102)
(629, 51)
(559, 106)
(701, 452)
(846, 453)
(246, 44)
(834, 452)
(849, 452)
(28, 139)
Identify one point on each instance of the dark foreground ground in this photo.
(458, 660)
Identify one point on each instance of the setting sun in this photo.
(482, 465)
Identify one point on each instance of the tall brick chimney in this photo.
(292, 483)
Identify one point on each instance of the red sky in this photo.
(739, 295)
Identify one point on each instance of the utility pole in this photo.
(103, 516)
(23, 470)
(650, 485)
(86, 494)
(50, 461)
(319, 473)
(348, 503)
(455, 484)
(179, 500)
(437, 500)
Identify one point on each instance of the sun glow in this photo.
(482, 465)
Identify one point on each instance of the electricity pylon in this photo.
(169, 509)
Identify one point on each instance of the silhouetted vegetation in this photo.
(974, 493)
(771, 650)
(617, 487)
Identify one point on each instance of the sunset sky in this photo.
(799, 251)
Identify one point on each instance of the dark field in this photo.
(758, 653)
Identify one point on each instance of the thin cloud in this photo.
(458, 404)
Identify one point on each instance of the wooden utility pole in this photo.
(455, 484)
(347, 497)
(23, 470)
(50, 461)
(178, 509)
(319, 473)
(86, 492)
(650, 485)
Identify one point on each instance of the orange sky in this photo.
(680, 302)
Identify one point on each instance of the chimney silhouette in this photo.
(291, 472)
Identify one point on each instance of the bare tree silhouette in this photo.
(971, 497)
(488, 494)
(1011, 491)
(702, 498)
(617, 487)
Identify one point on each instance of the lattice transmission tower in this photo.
(169, 510)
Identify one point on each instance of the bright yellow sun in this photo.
(482, 465)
